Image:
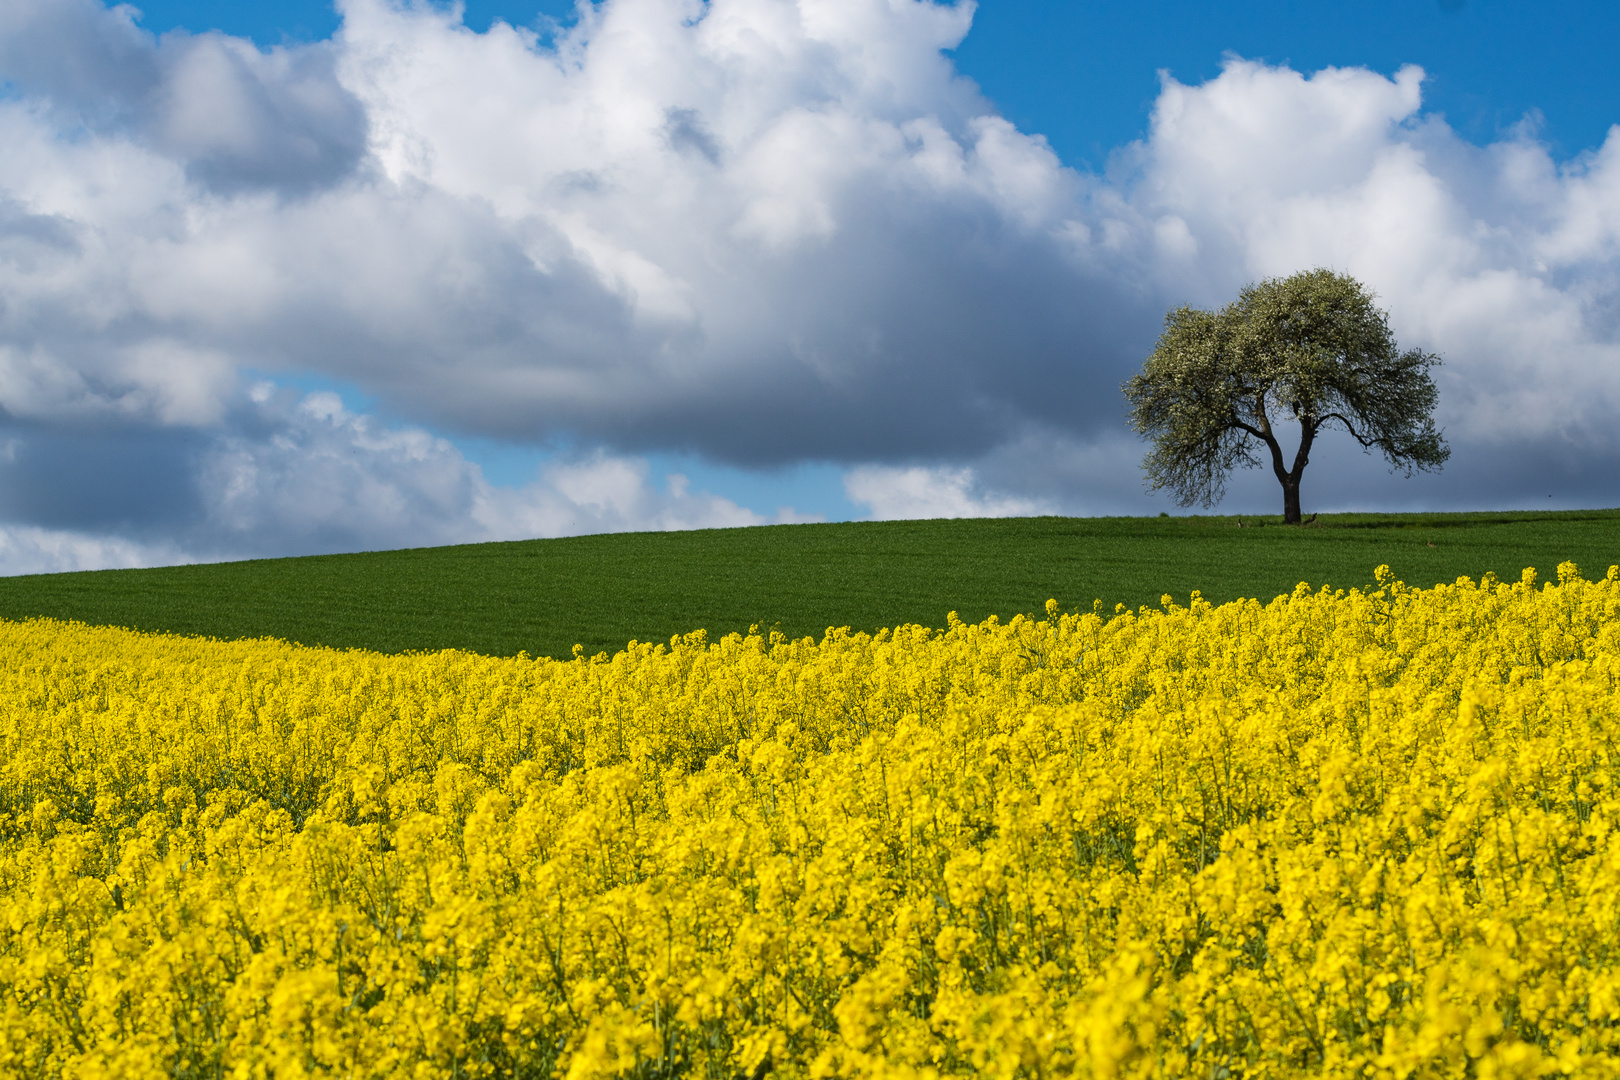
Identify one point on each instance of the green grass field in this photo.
(543, 596)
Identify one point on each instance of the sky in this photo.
(286, 278)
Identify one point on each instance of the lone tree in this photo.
(1312, 348)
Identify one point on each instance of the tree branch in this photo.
(1367, 444)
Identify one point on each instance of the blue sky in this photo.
(758, 259)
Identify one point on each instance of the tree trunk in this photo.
(1291, 502)
(1288, 478)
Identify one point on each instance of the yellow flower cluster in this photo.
(1370, 834)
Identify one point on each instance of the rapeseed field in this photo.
(1370, 833)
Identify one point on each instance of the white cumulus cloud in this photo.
(1497, 257)
(28, 549)
(917, 492)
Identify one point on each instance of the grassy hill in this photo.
(543, 596)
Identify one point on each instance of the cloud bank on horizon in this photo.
(755, 231)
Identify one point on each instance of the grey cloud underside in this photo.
(239, 119)
(242, 121)
(133, 481)
(882, 343)
(31, 242)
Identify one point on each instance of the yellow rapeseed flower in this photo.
(1368, 833)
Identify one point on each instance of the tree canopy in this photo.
(1312, 348)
